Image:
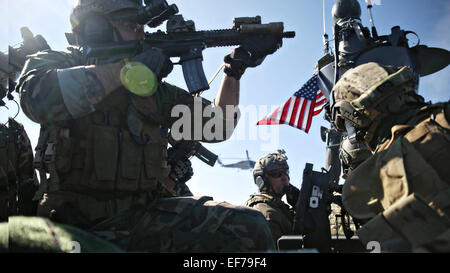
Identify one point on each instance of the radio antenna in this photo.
(325, 35)
(369, 8)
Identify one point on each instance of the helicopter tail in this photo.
(220, 162)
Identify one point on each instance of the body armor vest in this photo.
(116, 149)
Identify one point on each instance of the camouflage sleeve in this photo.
(39, 89)
(193, 117)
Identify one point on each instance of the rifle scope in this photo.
(155, 12)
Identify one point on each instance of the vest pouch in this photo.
(131, 162)
(105, 153)
(63, 154)
(409, 218)
(153, 153)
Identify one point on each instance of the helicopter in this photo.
(243, 165)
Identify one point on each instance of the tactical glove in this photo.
(292, 194)
(183, 171)
(159, 63)
(250, 54)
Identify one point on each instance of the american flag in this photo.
(299, 109)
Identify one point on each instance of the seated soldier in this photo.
(271, 175)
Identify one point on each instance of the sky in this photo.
(262, 88)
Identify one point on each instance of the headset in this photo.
(258, 177)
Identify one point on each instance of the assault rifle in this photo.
(183, 41)
(313, 208)
(187, 148)
(181, 151)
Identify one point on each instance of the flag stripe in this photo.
(285, 110)
(306, 116)
(294, 112)
(302, 112)
(297, 117)
(290, 110)
(274, 116)
(317, 112)
(310, 117)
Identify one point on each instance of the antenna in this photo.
(369, 8)
(325, 35)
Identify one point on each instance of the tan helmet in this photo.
(370, 92)
(267, 163)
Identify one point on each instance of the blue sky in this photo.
(263, 87)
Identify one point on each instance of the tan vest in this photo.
(405, 186)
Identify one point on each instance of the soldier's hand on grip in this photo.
(292, 194)
(250, 54)
(157, 61)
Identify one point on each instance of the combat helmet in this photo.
(267, 163)
(99, 11)
(367, 94)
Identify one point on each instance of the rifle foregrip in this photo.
(194, 75)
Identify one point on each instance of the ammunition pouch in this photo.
(410, 219)
(50, 157)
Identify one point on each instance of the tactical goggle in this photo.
(128, 21)
(278, 173)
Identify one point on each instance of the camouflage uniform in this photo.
(17, 185)
(403, 188)
(106, 178)
(277, 213)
